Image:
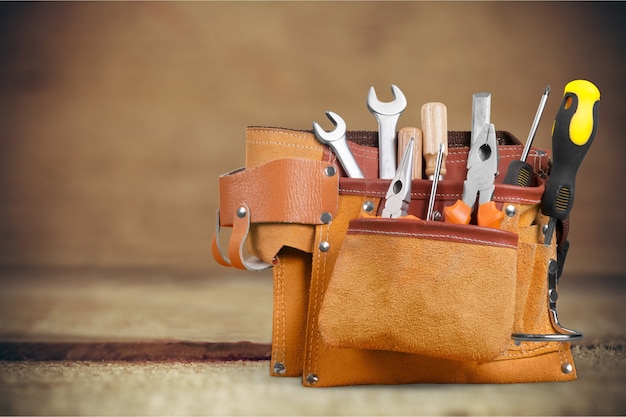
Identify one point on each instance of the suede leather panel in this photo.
(267, 239)
(265, 144)
(433, 291)
(523, 362)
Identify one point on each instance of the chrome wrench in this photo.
(336, 140)
(387, 115)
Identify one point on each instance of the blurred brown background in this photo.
(116, 118)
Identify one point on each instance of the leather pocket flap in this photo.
(426, 288)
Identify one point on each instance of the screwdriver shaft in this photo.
(533, 128)
(433, 189)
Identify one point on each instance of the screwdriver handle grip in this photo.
(434, 132)
(573, 132)
(404, 136)
(519, 173)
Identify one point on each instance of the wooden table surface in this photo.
(153, 341)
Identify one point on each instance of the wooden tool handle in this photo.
(434, 131)
(404, 135)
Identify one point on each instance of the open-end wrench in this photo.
(336, 140)
(387, 115)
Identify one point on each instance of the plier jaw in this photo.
(398, 195)
(482, 167)
(482, 164)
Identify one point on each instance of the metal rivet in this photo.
(242, 212)
(436, 216)
(324, 246)
(544, 229)
(510, 210)
(326, 217)
(368, 206)
(567, 368)
(330, 171)
(280, 368)
(518, 342)
(553, 296)
(312, 379)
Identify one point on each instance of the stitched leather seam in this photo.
(363, 192)
(562, 355)
(373, 151)
(317, 335)
(301, 135)
(520, 200)
(364, 150)
(361, 156)
(293, 145)
(525, 352)
(282, 310)
(276, 322)
(516, 200)
(313, 336)
(381, 193)
(434, 235)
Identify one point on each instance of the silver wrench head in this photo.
(391, 108)
(333, 136)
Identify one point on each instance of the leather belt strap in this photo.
(289, 190)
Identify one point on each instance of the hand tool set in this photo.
(412, 255)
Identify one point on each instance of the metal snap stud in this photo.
(242, 212)
(280, 368)
(567, 368)
(326, 217)
(330, 171)
(324, 246)
(510, 210)
(312, 379)
(368, 206)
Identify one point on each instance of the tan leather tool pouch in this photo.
(365, 300)
(428, 288)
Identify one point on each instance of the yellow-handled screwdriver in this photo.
(573, 132)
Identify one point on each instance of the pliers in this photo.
(398, 195)
(482, 169)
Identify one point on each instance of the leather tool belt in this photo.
(364, 300)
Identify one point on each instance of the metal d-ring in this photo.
(216, 241)
(564, 334)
